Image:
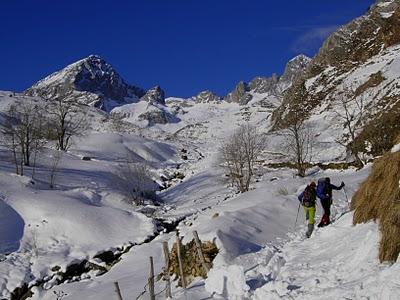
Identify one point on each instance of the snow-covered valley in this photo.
(130, 168)
(262, 252)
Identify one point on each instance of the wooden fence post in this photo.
(205, 265)
(151, 280)
(168, 293)
(118, 291)
(178, 251)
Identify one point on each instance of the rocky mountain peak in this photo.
(264, 85)
(269, 86)
(239, 94)
(91, 81)
(359, 40)
(294, 67)
(206, 97)
(154, 95)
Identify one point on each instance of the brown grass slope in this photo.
(378, 198)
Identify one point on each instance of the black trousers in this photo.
(326, 204)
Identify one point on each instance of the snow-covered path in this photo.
(337, 262)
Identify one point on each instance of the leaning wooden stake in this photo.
(168, 293)
(178, 251)
(205, 265)
(151, 280)
(118, 291)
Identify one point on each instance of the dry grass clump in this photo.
(192, 266)
(378, 198)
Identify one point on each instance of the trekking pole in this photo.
(295, 223)
(347, 199)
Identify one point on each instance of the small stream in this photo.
(75, 271)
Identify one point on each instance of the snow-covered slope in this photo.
(263, 253)
(357, 65)
(91, 81)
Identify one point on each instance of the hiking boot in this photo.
(310, 230)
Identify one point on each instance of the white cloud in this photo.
(312, 38)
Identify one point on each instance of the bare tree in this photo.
(134, 180)
(299, 140)
(351, 110)
(239, 155)
(23, 132)
(67, 118)
(55, 162)
(299, 143)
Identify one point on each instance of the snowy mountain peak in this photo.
(294, 67)
(206, 97)
(269, 86)
(154, 95)
(91, 81)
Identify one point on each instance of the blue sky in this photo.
(185, 46)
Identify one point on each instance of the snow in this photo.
(396, 148)
(263, 253)
(386, 15)
(228, 282)
(339, 260)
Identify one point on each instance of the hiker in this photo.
(307, 199)
(324, 193)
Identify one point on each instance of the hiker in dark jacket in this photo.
(324, 193)
(308, 198)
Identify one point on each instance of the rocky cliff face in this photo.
(91, 81)
(240, 94)
(359, 64)
(269, 86)
(154, 95)
(206, 97)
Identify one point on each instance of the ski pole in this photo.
(295, 223)
(347, 199)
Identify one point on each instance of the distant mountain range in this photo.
(359, 62)
(95, 82)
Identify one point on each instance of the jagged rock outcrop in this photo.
(154, 116)
(263, 85)
(366, 36)
(240, 94)
(356, 65)
(154, 95)
(90, 81)
(294, 69)
(206, 97)
(269, 86)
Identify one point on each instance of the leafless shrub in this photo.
(351, 111)
(55, 162)
(298, 145)
(67, 118)
(239, 155)
(135, 181)
(23, 133)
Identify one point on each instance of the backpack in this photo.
(322, 188)
(307, 199)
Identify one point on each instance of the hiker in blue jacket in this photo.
(324, 193)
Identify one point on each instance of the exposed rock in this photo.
(154, 116)
(240, 95)
(269, 86)
(90, 81)
(206, 97)
(359, 61)
(295, 68)
(154, 95)
(264, 85)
